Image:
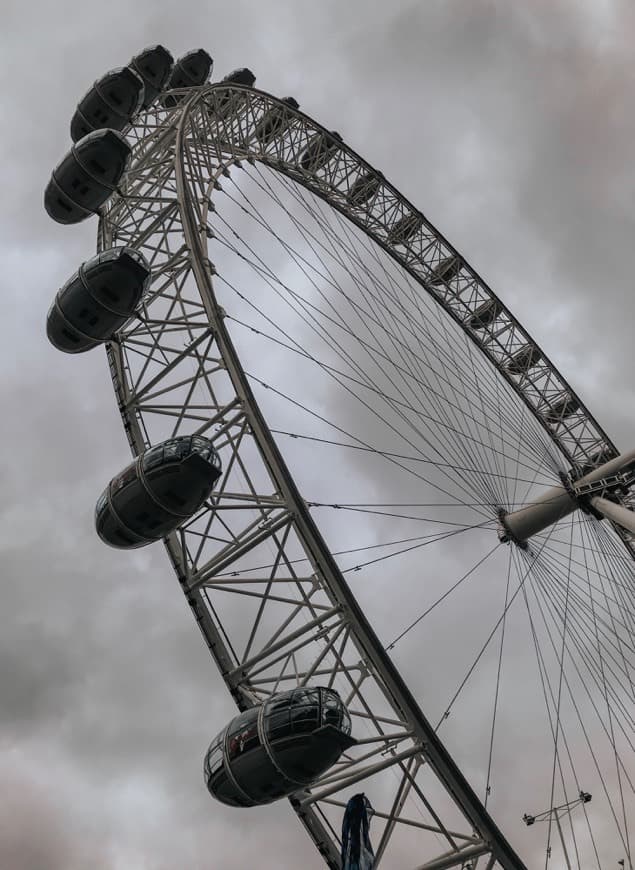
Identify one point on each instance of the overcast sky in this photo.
(509, 124)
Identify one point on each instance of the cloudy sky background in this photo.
(510, 125)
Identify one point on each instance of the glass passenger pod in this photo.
(274, 121)
(157, 492)
(154, 64)
(86, 177)
(364, 188)
(274, 749)
(112, 102)
(98, 299)
(320, 150)
(446, 270)
(524, 359)
(404, 229)
(485, 314)
(560, 410)
(240, 76)
(190, 71)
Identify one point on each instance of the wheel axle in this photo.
(587, 493)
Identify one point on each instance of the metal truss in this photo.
(245, 124)
(269, 598)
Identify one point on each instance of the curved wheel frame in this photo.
(179, 159)
(542, 388)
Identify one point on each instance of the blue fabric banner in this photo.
(357, 853)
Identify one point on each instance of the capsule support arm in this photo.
(617, 513)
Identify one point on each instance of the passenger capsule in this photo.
(112, 102)
(97, 301)
(224, 101)
(87, 176)
(275, 121)
(404, 229)
(445, 271)
(524, 359)
(319, 151)
(266, 754)
(562, 409)
(364, 188)
(240, 76)
(154, 65)
(191, 70)
(485, 314)
(157, 492)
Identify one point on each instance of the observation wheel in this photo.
(413, 509)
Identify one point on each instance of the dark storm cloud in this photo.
(510, 125)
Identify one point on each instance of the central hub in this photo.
(560, 501)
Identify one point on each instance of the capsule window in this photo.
(71, 336)
(172, 450)
(96, 166)
(120, 535)
(304, 698)
(88, 316)
(277, 718)
(153, 457)
(331, 712)
(109, 294)
(64, 204)
(278, 704)
(214, 760)
(75, 184)
(305, 719)
(102, 504)
(346, 725)
(147, 522)
(137, 257)
(244, 734)
(278, 725)
(243, 742)
(82, 185)
(172, 498)
(127, 476)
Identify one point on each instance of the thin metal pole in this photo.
(457, 859)
(564, 848)
(617, 513)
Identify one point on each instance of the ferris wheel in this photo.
(407, 543)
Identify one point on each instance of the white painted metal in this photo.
(556, 503)
(456, 859)
(617, 513)
(179, 344)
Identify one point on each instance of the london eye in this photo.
(407, 542)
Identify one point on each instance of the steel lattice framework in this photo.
(175, 368)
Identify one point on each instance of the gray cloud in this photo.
(511, 127)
